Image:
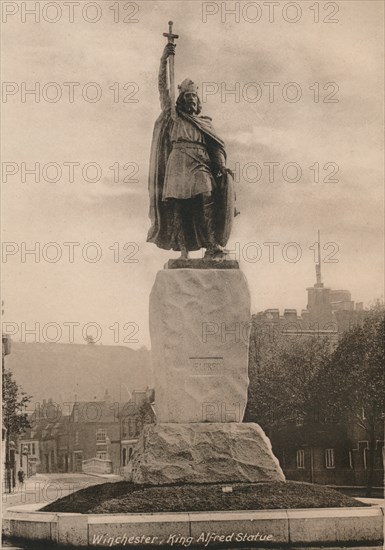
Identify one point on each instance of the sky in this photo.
(324, 122)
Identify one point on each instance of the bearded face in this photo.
(190, 103)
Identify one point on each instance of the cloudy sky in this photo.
(337, 63)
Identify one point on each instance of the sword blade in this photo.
(171, 68)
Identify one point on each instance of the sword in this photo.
(171, 68)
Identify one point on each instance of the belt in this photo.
(188, 144)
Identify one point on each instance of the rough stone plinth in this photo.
(199, 325)
(204, 453)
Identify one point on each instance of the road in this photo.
(45, 488)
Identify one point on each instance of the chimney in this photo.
(272, 315)
(290, 315)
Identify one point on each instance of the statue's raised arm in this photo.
(164, 92)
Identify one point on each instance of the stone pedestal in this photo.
(204, 453)
(199, 325)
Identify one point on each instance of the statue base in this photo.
(201, 263)
(199, 326)
(204, 453)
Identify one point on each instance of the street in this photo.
(46, 488)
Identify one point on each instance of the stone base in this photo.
(204, 453)
(316, 528)
(202, 263)
(199, 326)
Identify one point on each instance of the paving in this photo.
(46, 488)
(372, 501)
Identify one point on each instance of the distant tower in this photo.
(319, 283)
(319, 299)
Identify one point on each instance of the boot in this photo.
(213, 249)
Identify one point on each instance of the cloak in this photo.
(163, 230)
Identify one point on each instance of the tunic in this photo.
(188, 170)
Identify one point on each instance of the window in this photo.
(101, 454)
(130, 428)
(329, 458)
(76, 438)
(301, 459)
(101, 435)
(33, 448)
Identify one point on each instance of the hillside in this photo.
(61, 371)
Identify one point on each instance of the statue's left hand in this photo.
(222, 171)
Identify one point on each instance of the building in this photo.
(328, 313)
(9, 440)
(97, 437)
(331, 451)
(102, 434)
(40, 448)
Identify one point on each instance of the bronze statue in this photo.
(191, 190)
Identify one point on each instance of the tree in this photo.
(15, 419)
(282, 372)
(352, 383)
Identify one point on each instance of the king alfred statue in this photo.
(191, 190)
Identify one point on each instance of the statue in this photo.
(191, 190)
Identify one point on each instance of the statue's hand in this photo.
(169, 49)
(223, 170)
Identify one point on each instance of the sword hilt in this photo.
(170, 35)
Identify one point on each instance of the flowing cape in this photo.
(162, 213)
